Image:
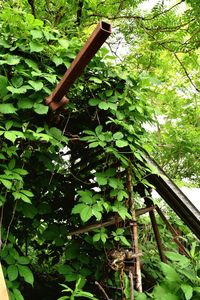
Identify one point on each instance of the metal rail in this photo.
(95, 41)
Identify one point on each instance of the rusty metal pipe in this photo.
(95, 41)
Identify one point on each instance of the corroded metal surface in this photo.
(95, 41)
(176, 199)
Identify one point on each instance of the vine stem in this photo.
(8, 229)
(134, 234)
(1, 222)
(102, 289)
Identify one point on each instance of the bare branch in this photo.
(135, 16)
(186, 73)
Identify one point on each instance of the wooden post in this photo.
(3, 288)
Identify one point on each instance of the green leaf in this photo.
(11, 164)
(37, 85)
(36, 34)
(12, 59)
(17, 294)
(40, 109)
(118, 136)
(94, 101)
(25, 103)
(78, 208)
(56, 133)
(170, 273)
(177, 257)
(27, 193)
(101, 179)
(86, 213)
(9, 124)
(12, 272)
(124, 241)
(187, 290)
(94, 145)
(96, 237)
(31, 64)
(22, 260)
(57, 60)
(3, 85)
(17, 81)
(25, 198)
(6, 183)
(64, 43)
(163, 293)
(36, 46)
(20, 90)
(26, 273)
(20, 171)
(121, 143)
(104, 105)
(95, 79)
(7, 108)
(9, 135)
(98, 129)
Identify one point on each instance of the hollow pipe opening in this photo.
(105, 26)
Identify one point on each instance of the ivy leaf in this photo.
(104, 105)
(86, 213)
(121, 143)
(6, 183)
(118, 135)
(57, 60)
(25, 103)
(37, 85)
(36, 46)
(78, 208)
(23, 260)
(36, 34)
(3, 85)
(94, 101)
(101, 179)
(31, 64)
(12, 272)
(17, 294)
(170, 273)
(187, 290)
(7, 108)
(95, 79)
(12, 60)
(96, 237)
(20, 90)
(64, 43)
(26, 273)
(9, 135)
(40, 109)
(124, 241)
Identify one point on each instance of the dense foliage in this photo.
(62, 171)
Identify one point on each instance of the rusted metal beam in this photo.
(109, 222)
(95, 41)
(173, 232)
(149, 203)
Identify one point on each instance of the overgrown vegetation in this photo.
(61, 172)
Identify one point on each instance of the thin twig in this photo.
(11, 220)
(64, 129)
(186, 73)
(102, 289)
(138, 17)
